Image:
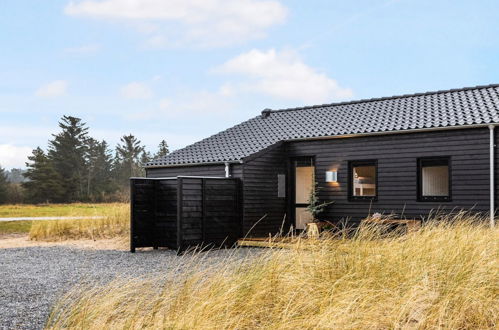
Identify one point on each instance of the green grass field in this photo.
(15, 227)
(59, 210)
(56, 210)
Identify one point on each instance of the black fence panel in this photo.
(221, 212)
(208, 212)
(184, 212)
(153, 220)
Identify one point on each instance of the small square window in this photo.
(363, 180)
(434, 183)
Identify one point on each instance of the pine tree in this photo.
(15, 175)
(163, 149)
(44, 183)
(99, 166)
(67, 152)
(4, 186)
(128, 155)
(145, 158)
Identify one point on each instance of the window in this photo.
(303, 184)
(363, 181)
(281, 185)
(434, 179)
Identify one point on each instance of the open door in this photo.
(303, 170)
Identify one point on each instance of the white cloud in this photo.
(284, 75)
(136, 90)
(13, 156)
(206, 22)
(197, 104)
(53, 89)
(89, 49)
(25, 134)
(164, 104)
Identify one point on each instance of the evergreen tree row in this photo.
(77, 167)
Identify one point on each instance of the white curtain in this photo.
(435, 181)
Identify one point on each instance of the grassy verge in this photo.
(116, 223)
(59, 210)
(15, 227)
(444, 276)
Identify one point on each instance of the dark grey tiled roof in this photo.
(456, 107)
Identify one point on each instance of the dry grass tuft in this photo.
(444, 276)
(116, 223)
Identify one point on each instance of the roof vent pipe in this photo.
(227, 170)
(266, 112)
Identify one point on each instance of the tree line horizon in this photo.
(75, 167)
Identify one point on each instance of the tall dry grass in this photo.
(115, 223)
(444, 276)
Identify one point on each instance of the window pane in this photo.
(364, 180)
(304, 183)
(281, 185)
(303, 216)
(435, 180)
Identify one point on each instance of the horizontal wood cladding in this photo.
(154, 213)
(260, 192)
(209, 212)
(397, 171)
(496, 167)
(199, 170)
(185, 212)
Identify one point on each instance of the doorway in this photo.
(303, 182)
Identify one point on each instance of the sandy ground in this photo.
(8, 241)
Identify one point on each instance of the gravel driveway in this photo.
(31, 279)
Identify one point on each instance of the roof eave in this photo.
(406, 131)
(196, 164)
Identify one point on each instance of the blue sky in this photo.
(182, 70)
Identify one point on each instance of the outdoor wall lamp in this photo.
(331, 176)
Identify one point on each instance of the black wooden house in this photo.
(408, 155)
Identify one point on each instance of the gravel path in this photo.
(31, 279)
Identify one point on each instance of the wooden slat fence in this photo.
(184, 212)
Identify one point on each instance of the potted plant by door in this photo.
(315, 207)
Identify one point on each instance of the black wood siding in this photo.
(208, 212)
(260, 192)
(496, 168)
(397, 175)
(154, 213)
(397, 171)
(199, 170)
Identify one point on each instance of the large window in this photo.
(434, 182)
(363, 180)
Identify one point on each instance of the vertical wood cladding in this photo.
(397, 171)
(260, 184)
